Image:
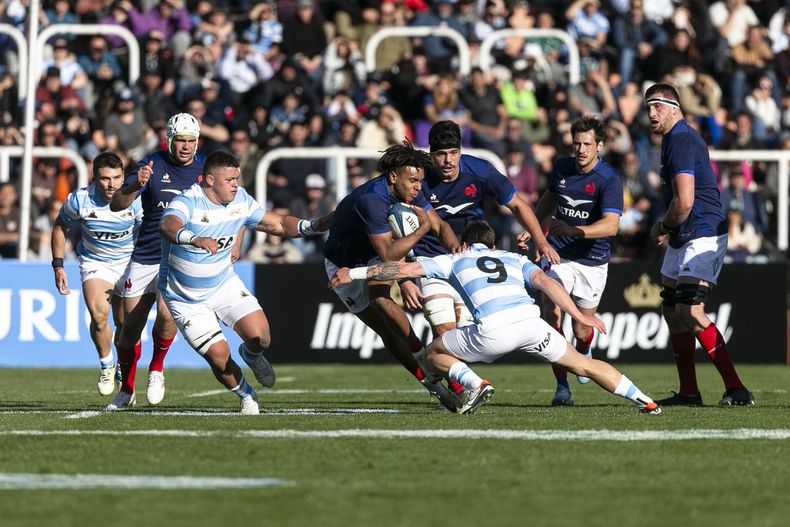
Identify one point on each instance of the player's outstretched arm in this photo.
(530, 222)
(172, 229)
(58, 246)
(560, 297)
(291, 226)
(123, 199)
(383, 271)
(606, 227)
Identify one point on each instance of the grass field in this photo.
(364, 445)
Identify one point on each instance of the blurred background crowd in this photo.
(261, 75)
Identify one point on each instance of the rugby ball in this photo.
(402, 220)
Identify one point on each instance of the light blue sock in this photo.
(463, 374)
(627, 389)
(106, 362)
(243, 390)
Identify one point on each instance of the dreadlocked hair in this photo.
(403, 155)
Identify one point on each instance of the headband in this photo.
(662, 100)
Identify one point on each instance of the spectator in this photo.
(592, 97)
(71, 73)
(344, 68)
(285, 114)
(169, 17)
(586, 22)
(101, 67)
(287, 176)
(314, 203)
(213, 134)
(744, 243)
(749, 204)
(487, 113)
(494, 18)
(214, 30)
(60, 13)
(126, 129)
(443, 104)
(767, 115)
(304, 39)
(243, 68)
(751, 58)
(681, 51)
(157, 60)
(9, 220)
(390, 50)
(383, 127)
(440, 51)
(731, 18)
(520, 169)
(9, 100)
(61, 97)
(248, 155)
(118, 16)
(639, 42)
(289, 80)
(700, 94)
(518, 97)
(265, 33)
(740, 133)
(411, 79)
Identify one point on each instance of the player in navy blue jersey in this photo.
(360, 234)
(582, 209)
(695, 230)
(455, 186)
(157, 178)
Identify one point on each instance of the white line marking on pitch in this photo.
(95, 481)
(738, 434)
(212, 413)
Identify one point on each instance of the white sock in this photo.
(243, 390)
(463, 374)
(106, 362)
(625, 388)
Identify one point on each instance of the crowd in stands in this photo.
(261, 75)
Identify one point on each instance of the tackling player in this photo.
(104, 250)
(360, 234)
(156, 179)
(506, 318)
(197, 280)
(455, 186)
(583, 205)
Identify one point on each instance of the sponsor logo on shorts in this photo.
(543, 345)
(187, 324)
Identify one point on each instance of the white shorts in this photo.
(354, 295)
(584, 283)
(700, 258)
(198, 322)
(533, 335)
(140, 279)
(110, 272)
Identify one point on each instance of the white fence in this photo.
(21, 49)
(56, 152)
(464, 58)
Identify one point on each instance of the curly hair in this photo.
(403, 155)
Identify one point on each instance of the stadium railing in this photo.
(336, 170)
(56, 152)
(21, 49)
(464, 56)
(574, 64)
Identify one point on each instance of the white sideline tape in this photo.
(95, 481)
(738, 434)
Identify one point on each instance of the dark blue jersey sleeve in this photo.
(499, 186)
(612, 196)
(680, 156)
(372, 211)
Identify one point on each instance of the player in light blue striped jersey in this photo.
(197, 280)
(104, 249)
(492, 284)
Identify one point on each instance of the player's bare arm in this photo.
(560, 297)
(383, 271)
(679, 208)
(172, 229)
(390, 249)
(444, 232)
(291, 226)
(530, 222)
(126, 194)
(58, 246)
(606, 227)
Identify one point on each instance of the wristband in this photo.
(306, 227)
(57, 263)
(185, 237)
(358, 273)
(663, 228)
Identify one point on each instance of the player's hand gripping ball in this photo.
(402, 220)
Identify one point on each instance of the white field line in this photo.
(212, 413)
(739, 434)
(95, 481)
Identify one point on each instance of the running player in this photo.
(582, 206)
(104, 249)
(506, 318)
(360, 234)
(197, 280)
(156, 179)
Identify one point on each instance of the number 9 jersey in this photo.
(191, 274)
(491, 282)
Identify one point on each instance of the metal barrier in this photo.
(7, 152)
(574, 68)
(21, 49)
(465, 62)
(337, 157)
(92, 29)
(782, 159)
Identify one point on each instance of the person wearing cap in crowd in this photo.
(156, 179)
(304, 39)
(61, 96)
(312, 204)
(126, 129)
(695, 230)
(157, 59)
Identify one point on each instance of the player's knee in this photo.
(439, 310)
(668, 298)
(692, 294)
(259, 343)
